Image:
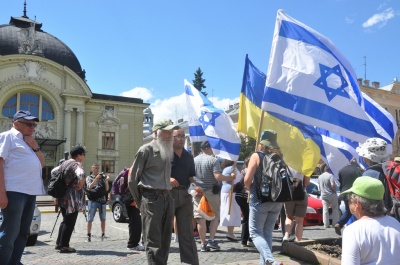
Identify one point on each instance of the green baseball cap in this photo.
(164, 125)
(268, 138)
(368, 188)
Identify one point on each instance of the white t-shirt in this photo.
(372, 241)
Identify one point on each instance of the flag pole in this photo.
(231, 191)
(259, 129)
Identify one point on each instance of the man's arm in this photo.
(134, 176)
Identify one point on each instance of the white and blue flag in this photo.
(309, 80)
(209, 123)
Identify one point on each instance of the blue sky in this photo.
(146, 49)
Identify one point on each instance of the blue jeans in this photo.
(14, 231)
(261, 225)
(92, 208)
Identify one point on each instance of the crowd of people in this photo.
(158, 181)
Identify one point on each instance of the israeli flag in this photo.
(309, 80)
(209, 123)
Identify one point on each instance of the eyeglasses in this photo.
(179, 136)
(29, 124)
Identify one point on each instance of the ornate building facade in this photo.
(40, 73)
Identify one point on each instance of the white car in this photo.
(35, 226)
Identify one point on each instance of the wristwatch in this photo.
(36, 149)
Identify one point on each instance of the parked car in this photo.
(314, 191)
(118, 208)
(35, 226)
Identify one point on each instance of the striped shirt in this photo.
(206, 166)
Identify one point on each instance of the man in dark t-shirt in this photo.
(347, 175)
(182, 173)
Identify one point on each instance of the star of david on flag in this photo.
(209, 123)
(330, 73)
(309, 80)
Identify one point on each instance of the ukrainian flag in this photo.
(299, 143)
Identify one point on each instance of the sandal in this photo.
(67, 250)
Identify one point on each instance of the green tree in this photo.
(247, 147)
(198, 81)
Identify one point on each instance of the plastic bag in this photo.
(205, 209)
(194, 190)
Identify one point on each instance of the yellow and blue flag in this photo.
(299, 143)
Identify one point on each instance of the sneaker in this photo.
(285, 239)
(212, 244)
(58, 247)
(137, 248)
(103, 237)
(176, 240)
(89, 239)
(338, 229)
(203, 248)
(196, 235)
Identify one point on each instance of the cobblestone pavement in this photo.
(113, 250)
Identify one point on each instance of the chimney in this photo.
(366, 82)
(230, 107)
(180, 120)
(375, 84)
(359, 81)
(236, 105)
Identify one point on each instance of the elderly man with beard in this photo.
(149, 183)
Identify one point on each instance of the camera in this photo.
(103, 175)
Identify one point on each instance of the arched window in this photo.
(36, 104)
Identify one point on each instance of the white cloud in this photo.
(379, 19)
(175, 108)
(138, 92)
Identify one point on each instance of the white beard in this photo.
(166, 149)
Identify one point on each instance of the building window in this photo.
(107, 166)
(108, 140)
(34, 103)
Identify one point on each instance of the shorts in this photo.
(297, 208)
(213, 199)
(92, 208)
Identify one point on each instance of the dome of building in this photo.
(25, 36)
(147, 111)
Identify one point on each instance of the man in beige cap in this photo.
(149, 183)
(375, 237)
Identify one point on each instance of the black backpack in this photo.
(96, 193)
(277, 180)
(57, 186)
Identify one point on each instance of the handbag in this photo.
(127, 197)
(298, 190)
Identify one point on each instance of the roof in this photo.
(25, 36)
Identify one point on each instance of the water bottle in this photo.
(264, 187)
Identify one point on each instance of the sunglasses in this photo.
(29, 124)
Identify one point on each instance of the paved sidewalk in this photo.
(113, 249)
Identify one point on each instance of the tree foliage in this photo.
(247, 147)
(198, 81)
